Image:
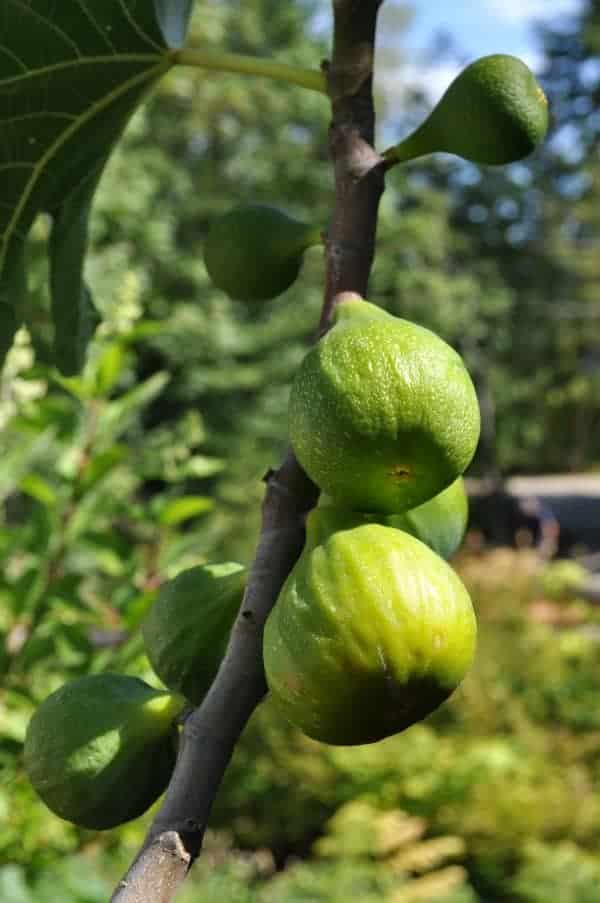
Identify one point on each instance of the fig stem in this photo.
(404, 151)
(311, 238)
(310, 79)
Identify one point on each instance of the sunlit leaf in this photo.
(39, 489)
(185, 508)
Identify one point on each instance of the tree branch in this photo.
(359, 170)
(211, 731)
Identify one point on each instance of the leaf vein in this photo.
(56, 67)
(5, 166)
(138, 29)
(39, 167)
(48, 23)
(42, 114)
(96, 25)
(13, 56)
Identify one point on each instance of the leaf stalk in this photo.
(310, 79)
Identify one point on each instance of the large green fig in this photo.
(494, 112)
(254, 252)
(187, 629)
(371, 632)
(383, 414)
(440, 522)
(100, 750)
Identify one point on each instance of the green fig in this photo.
(371, 632)
(440, 522)
(382, 413)
(187, 629)
(100, 750)
(494, 112)
(254, 252)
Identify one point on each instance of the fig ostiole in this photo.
(383, 414)
(187, 628)
(101, 749)
(371, 632)
(494, 113)
(254, 252)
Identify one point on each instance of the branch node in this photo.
(170, 843)
(346, 80)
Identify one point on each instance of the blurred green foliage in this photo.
(152, 460)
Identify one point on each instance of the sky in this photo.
(485, 26)
(478, 27)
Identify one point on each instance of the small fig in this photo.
(371, 632)
(494, 112)
(100, 750)
(187, 629)
(382, 414)
(440, 522)
(254, 252)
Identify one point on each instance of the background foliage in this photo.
(152, 460)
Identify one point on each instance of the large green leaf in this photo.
(71, 74)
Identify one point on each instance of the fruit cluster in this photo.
(373, 629)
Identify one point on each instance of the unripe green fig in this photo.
(187, 629)
(254, 251)
(494, 112)
(100, 750)
(371, 632)
(440, 522)
(382, 414)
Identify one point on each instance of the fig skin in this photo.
(254, 252)
(440, 522)
(494, 113)
(383, 414)
(371, 632)
(187, 629)
(101, 749)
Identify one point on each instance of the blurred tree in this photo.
(534, 227)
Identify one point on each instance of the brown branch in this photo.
(211, 731)
(359, 170)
